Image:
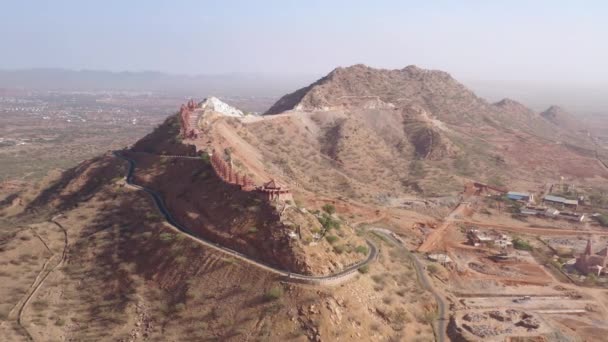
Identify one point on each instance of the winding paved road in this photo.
(343, 275)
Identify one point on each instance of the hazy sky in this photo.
(510, 40)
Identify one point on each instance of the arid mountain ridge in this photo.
(434, 90)
(377, 131)
(361, 138)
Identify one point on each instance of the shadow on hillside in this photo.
(92, 174)
(127, 248)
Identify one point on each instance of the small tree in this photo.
(329, 208)
(433, 269)
(363, 269)
(329, 222)
(602, 219)
(521, 244)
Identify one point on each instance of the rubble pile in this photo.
(528, 322)
(498, 322)
(474, 317)
(485, 330)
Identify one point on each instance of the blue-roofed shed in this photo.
(519, 196)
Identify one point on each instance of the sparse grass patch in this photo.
(275, 292)
(331, 239)
(432, 268)
(339, 249)
(362, 249)
(363, 269)
(40, 305)
(426, 317)
(166, 237)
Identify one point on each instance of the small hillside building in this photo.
(520, 196)
(272, 190)
(561, 201)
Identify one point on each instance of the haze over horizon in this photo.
(472, 40)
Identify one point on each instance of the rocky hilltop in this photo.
(216, 105)
(435, 91)
(561, 118)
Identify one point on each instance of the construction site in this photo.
(507, 275)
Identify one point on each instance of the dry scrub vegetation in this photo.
(128, 276)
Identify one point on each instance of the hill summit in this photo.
(360, 85)
(214, 104)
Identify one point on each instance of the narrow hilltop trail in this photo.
(333, 279)
(42, 276)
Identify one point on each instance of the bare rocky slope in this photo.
(376, 134)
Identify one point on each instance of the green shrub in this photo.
(556, 264)
(329, 222)
(152, 216)
(339, 249)
(329, 208)
(521, 244)
(362, 249)
(331, 239)
(602, 220)
(274, 293)
(363, 269)
(433, 269)
(166, 237)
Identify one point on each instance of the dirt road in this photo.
(534, 230)
(433, 241)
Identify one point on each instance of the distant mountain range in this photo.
(536, 95)
(228, 84)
